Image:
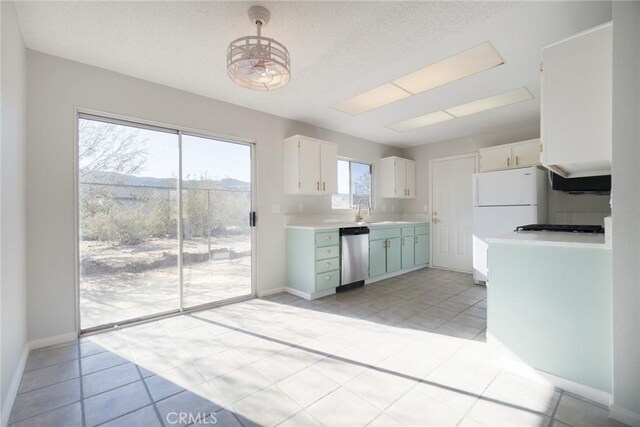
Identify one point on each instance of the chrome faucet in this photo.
(359, 217)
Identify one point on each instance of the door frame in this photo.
(180, 130)
(476, 166)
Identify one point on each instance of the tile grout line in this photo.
(555, 410)
(82, 414)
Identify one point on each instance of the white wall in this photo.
(626, 212)
(558, 202)
(13, 334)
(57, 86)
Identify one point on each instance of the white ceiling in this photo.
(338, 49)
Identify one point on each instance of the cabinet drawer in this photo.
(327, 252)
(407, 231)
(384, 233)
(327, 239)
(327, 265)
(422, 229)
(328, 280)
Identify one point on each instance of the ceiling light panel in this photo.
(371, 99)
(484, 104)
(421, 121)
(456, 67)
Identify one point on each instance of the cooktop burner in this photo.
(562, 227)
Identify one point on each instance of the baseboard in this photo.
(390, 275)
(624, 415)
(57, 339)
(310, 296)
(271, 292)
(593, 394)
(13, 387)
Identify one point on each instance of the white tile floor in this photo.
(406, 351)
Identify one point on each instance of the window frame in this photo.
(351, 205)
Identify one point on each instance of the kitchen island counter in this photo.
(553, 238)
(549, 297)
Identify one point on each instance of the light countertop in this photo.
(335, 225)
(551, 238)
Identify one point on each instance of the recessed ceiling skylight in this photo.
(473, 107)
(456, 67)
(484, 104)
(421, 121)
(371, 99)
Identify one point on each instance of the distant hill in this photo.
(114, 178)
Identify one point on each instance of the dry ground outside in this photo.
(119, 283)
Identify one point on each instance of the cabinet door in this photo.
(400, 178)
(495, 158)
(377, 258)
(393, 255)
(329, 168)
(422, 249)
(576, 102)
(407, 250)
(525, 154)
(411, 178)
(309, 152)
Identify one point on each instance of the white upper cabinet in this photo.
(495, 158)
(525, 154)
(310, 166)
(510, 156)
(397, 178)
(576, 104)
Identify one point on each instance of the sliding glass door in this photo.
(136, 260)
(216, 200)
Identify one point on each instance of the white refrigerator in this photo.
(503, 200)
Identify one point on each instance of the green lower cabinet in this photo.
(407, 245)
(393, 255)
(396, 249)
(377, 258)
(421, 249)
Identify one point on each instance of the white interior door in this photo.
(452, 209)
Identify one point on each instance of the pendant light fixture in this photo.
(257, 62)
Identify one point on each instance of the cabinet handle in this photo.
(318, 185)
(324, 186)
(415, 240)
(327, 278)
(328, 251)
(402, 241)
(516, 160)
(508, 161)
(328, 264)
(328, 237)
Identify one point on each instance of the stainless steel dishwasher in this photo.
(354, 250)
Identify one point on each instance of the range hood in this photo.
(600, 184)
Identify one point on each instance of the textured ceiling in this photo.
(338, 50)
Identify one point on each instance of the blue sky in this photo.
(200, 157)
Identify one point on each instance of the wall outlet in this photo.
(300, 208)
(275, 209)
